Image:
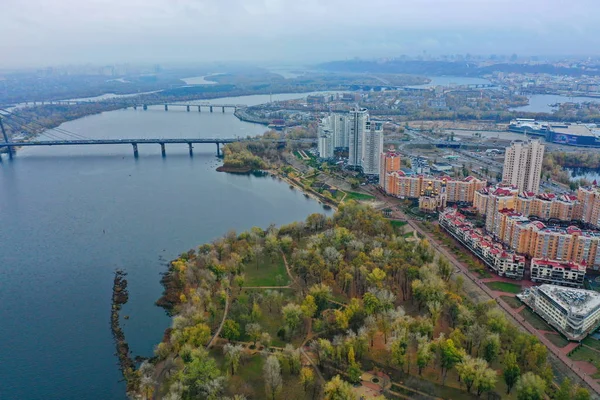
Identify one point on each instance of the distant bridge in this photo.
(134, 104)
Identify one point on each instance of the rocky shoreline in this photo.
(126, 363)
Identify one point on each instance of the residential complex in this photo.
(565, 273)
(523, 165)
(574, 312)
(356, 132)
(589, 198)
(501, 261)
(398, 184)
(390, 162)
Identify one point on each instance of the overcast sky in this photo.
(51, 32)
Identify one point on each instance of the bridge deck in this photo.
(118, 141)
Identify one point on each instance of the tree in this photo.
(580, 393)
(491, 347)
(564, 391)
(467, 371)
(254, 332)
(231, 330)
(376, 277)
(272, 376)
(530, 387)
(265, 339)
(196, 335)
(399, 349)
(424, 353)
(486, 380)
(449, 356)
(199, 371)
(309, 306)
(337, 389)
(321, 294)
(256, 313)
(292, 315)
(233, 355)
(307, 377)
(511, 371)
(354, 371)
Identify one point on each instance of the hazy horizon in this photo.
(41, 33)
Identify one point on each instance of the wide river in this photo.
(70, 216)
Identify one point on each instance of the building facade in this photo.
(390, 162)
(398, 184)
(523, 165)
(574, 312)
(502, 262)
(562, 273)
(358, 119)
(372, 149)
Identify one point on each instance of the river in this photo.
(70, 216)
(543, 102)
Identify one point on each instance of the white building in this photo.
(574, 312)
(326, 138)
(523, 165)
(563, 273)
(373, 147)
(358, 119)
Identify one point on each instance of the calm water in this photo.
(542, 102)
(452, 81)
(588, 174)
(201, 80)
(70, 216)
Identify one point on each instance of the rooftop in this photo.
(558, 264)
(580, 301)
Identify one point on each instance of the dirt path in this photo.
(218, 332)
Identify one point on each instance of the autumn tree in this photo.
(511, 371)
(272, 376)
(530, 387)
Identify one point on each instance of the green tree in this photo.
(337, 389)
(321, 294)
(530, 387)
(491, 347)
(580, 393)
(292, 315)
(511, 371)
(424, 353)
(354, 372)
(376, 277)
(231, 330)
(449, 357)
(199, 370)
(254, 332)
(564, 391)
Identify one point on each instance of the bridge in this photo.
(133, 142)
(135, 105)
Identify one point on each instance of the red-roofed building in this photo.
(563, 273)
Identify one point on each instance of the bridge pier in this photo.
(166, 107)
(145, 107)
(199, 108)
(135, 150)
(191, 149)
(135, 107)
(163, 152)
(223, 110)
(188, 108)
(10, 149)
(211, 109)
(218, 149)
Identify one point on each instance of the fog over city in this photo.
(42, 32)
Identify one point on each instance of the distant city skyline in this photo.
(40, 33)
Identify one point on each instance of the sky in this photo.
(39, 33)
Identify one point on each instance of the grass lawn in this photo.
(483, 273)
(512, 301)
(396, 223)
(535, 320)
(584, 354)
(557, 340)
(266, 273)
(504, 287)
(590, 341)
(358, 196)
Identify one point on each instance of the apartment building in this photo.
(523, 165)
(562, 273)
(574, 312)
